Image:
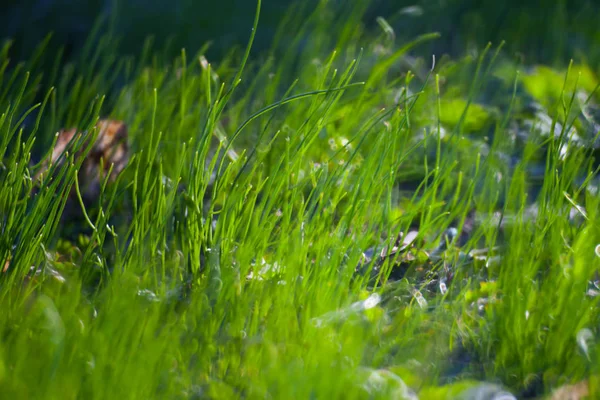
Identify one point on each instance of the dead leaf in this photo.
(577, 391)
(110, 148)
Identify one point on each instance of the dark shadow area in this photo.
(549, 32)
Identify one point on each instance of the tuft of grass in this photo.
(252, 246)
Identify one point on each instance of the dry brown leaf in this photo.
(578, 391)
(110, 148)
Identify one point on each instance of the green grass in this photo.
(227, 260)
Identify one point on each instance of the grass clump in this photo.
(348, 223)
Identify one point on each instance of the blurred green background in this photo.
(536, 31)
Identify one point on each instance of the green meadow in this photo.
(341, 215)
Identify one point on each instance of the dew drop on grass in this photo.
(148, 295)
(486, 390)
(420, 299)
(584, 340)
(385, 384)
(443, 288)
(597, 250)
(91, 364)
(372, 301)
